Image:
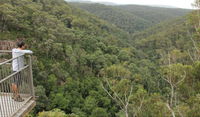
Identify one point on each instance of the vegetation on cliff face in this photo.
(86, 67)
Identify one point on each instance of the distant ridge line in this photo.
(115, 4)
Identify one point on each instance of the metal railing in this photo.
(16, 88)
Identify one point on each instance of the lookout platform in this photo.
(8, 106)
(16, 109)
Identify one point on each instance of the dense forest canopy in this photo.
(87, 66)
(132, 18)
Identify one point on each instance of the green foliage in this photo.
(42, 99)
(116, 71)
(154, 15)
(99, 112)
(132, 18)
(194, 103)
(74, 52)
(54, 113)
(155, 106)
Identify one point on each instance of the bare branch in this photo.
(123, 103)
(180, 113)
(171, 110)
(130, 93)
(194, 43)
(190, 56)
(112, 96)
(181, 79)
(140, 107)
(125, 97)
(141, 103)
(115, 93)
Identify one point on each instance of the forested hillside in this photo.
(123, 19)
(154, 15)
(132, 18)
(166, 37)
(70, 47)
(84, 66)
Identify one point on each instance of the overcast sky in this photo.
(175, 3)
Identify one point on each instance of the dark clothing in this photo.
(17, 79)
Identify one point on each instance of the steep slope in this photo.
(132, 18)
(167, 37)
(79, 59)
(70, 48)
(155, 15)
(124, 20)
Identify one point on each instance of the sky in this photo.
(175, 3)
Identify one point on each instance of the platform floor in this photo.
(9, 107)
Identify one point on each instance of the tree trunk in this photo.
(172, 96)
(172, 112)
(126, 114)
(126, 110)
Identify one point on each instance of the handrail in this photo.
(22, 78)
(6, 78)
(10, 60)
(8, 51)
(5, 51)
(16, 111)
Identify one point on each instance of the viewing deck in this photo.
(23, 107)
(10, 107)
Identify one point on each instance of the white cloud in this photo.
(176, 3)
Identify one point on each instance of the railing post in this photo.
(31, 76)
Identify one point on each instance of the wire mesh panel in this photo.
(16, 87)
